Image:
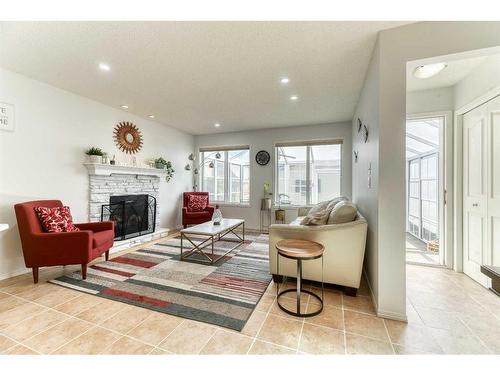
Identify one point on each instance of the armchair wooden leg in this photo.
(35, 275)
(84, 271)
(106, 255)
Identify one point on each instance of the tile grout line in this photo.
(389, 336)
(157, 346)
(262, 324)
(343, 323)
(83, 320)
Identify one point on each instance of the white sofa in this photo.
(343, 257)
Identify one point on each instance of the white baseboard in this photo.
(392, 316)
(381, 313)
(14, 273)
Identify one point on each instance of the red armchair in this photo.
(195, 217)
(42, 249)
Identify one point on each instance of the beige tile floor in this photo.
(447, 313)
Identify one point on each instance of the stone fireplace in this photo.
(108, 184)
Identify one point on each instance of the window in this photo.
(307, 172)
(226, 174)
(422, 154)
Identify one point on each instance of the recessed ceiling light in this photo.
(284, 80)
(428, 71)
(217, 125)
(151, 116)
(294, 97)
(104, 67)
(124, 106)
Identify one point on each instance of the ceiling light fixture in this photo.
(284, 80)
(294, 97)
(151, 116)
(217, 125)
(104, 67)
(428, 71)
(124, 106)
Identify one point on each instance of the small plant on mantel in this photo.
(95, 154)
(161, 163)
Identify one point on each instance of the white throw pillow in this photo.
(318, 215)
(343, 212)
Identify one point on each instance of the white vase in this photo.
(95, 159)
(217, 216)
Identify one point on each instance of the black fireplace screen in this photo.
(133, 215)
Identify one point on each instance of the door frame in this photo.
(458, 174)
(446, 182)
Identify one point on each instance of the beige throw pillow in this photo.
(318, 215)
(343, 212)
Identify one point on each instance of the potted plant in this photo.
(95, 154)
(161, 163)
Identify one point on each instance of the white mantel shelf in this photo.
(108, 169)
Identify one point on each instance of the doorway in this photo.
(481, 189)
(424, 190)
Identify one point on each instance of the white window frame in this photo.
(308, 144)
(225, 151)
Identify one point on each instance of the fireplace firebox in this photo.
(133, 215)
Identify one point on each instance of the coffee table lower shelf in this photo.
(198, 248)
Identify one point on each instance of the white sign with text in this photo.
(6, 116)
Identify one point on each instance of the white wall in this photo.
(484, 77)
(42, 158)
(396, 47)
(366, 197)
(264, 140)
(426, 101)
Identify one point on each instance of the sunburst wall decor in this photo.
(128, 137)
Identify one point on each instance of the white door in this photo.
(493, 135)
(475, 172)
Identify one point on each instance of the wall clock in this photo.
(128, 137)
(262, 157)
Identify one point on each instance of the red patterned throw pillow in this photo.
(197, 203)
(56, 219)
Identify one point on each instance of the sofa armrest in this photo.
(211, 209)
(97, 226)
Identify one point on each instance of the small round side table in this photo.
(300, 250)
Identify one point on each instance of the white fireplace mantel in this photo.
(108, 169)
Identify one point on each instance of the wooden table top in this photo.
(300, 249)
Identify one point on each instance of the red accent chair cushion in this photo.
(196, 217)
(56, 219)
(197, 203)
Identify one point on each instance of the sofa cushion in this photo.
(56, 219)
(343, 212)
(318, 215)
(199, 215)
(197, 203)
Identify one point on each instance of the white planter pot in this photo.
(95, 159)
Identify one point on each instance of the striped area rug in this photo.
(155, 278)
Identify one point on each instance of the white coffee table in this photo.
(211, 231)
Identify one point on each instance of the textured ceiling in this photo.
(192, 74)
(455, 71)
